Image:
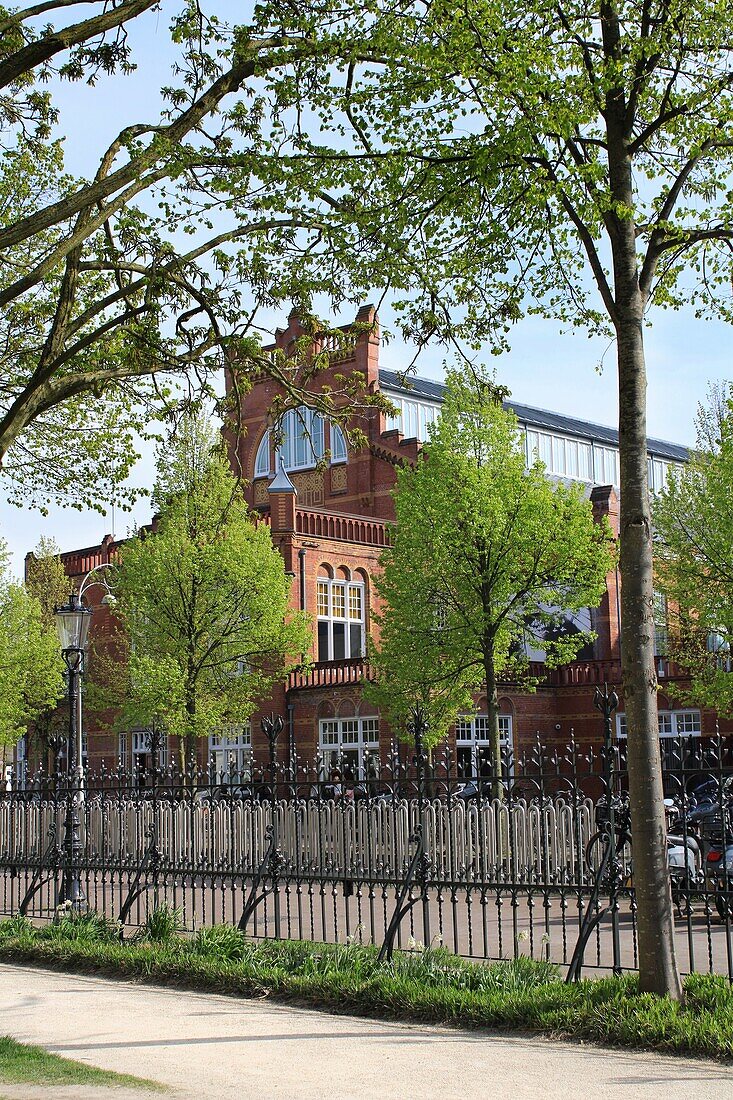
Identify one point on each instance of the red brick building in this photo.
(330, 524)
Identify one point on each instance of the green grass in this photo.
(429, 986)
(21, 1063)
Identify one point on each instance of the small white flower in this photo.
(522, 936)
(545, 938)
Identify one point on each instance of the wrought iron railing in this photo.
(495, 864)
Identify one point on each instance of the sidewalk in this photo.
(207, 1046)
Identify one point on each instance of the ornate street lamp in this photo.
(72, 625)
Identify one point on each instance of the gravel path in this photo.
(208, 1046)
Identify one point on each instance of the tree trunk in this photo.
(657, 962)
(492, 714)
(190, 750)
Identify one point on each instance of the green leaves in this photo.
(487, 561)
(204, 600)
(30, 660)
(693, 521)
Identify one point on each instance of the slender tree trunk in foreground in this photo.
(657, 963)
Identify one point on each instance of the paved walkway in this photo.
(207, 1046)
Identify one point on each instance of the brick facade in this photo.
(334, 527)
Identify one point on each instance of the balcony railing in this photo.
(331, 525)
(324, 674)
(579, 674)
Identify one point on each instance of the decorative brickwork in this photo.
(334, 526)
(339, 481)
(310, 487)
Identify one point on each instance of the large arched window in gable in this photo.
(303, 438)
(303, 443)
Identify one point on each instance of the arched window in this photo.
(262, 460)
(338, 444)
(303, 440)
(303, 436)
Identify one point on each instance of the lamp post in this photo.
(72, 625)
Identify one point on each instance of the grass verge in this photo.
(430, 986)
(24, 1064)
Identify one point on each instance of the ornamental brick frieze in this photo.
(338, 479)
(309, 484)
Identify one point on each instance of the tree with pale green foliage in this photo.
(47, 582)
(693, 526)
(204, 600)
(30, 660)
(127, 290)
(488, 559)
(571, 160)
(46, 579)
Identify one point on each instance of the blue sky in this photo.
(567, 373)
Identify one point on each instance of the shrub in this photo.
(162, 924)
(222, 941)
(85, 927)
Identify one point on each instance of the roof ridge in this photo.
(536, 417)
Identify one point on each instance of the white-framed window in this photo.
(605, 465)
(262, 459)
(338, 445)
(472, 742)
(341, 614)
(230, 753)
(657, 474)
(413, 416)
(562, 455)
(671, 723)
(303, 433)
(134, 750)
(303, 438)
(142, 753)
(661, 638)
(344, 741)
(658, 468)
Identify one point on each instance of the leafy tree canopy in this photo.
(204, 600)
(693, 520)
(30, 659)
(46, 580)
(487, 557)
(47, 583)
(126, 293)
(493, 145)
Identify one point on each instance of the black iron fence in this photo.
(400, 850)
